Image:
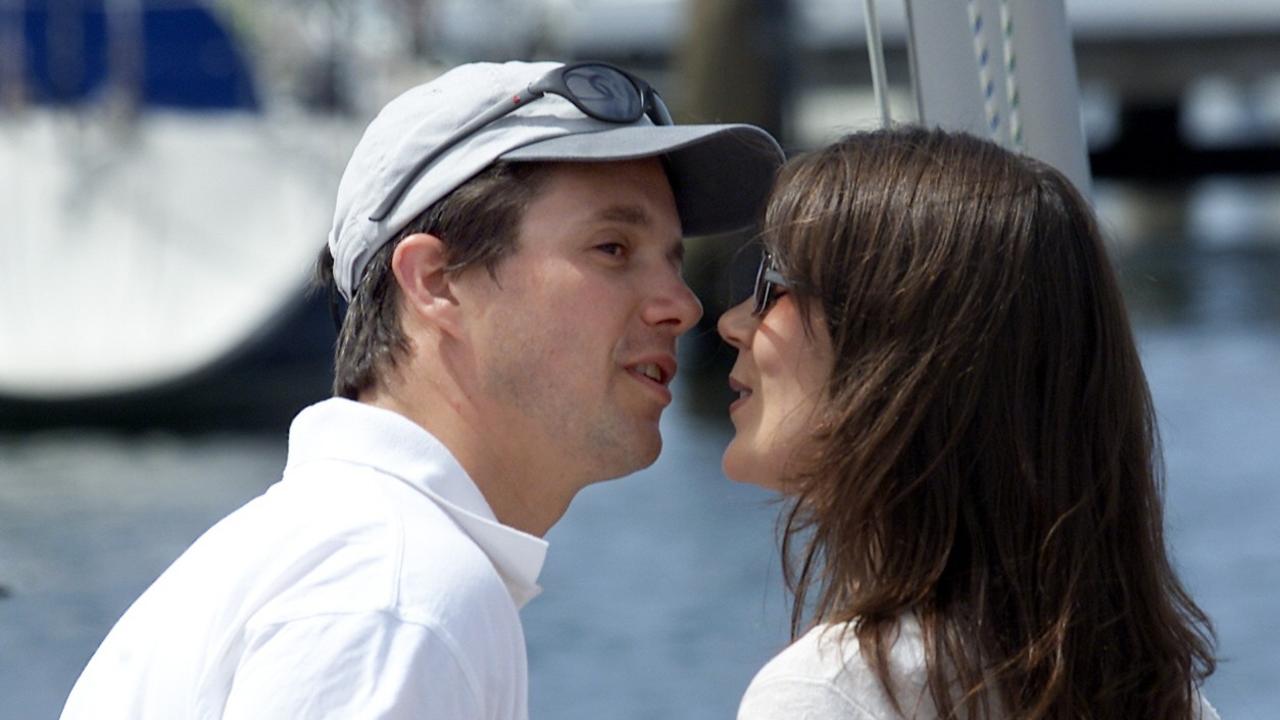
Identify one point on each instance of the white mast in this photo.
(875, 52)
(1003, 69)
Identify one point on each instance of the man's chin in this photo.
(628, 460)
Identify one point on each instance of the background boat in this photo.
(158, 219)
(167, 167)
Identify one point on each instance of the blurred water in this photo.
(662, 593)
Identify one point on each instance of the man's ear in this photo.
(419, 263)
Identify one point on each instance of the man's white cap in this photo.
(720, 174)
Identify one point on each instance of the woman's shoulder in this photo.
(825, 675)
(1207, 711)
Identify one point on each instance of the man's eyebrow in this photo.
(636, 215)
(625, 214)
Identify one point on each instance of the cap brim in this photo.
(720, 174)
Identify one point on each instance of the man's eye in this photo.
(614, 249)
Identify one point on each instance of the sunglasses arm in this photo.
(659, 109)
(497, 111)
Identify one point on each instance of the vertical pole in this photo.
(913, 62)
(875, 51)
(731, 63)
(12, 55)
(64, 31)
(125, 54)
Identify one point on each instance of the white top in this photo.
(819, 678)
(372, 581)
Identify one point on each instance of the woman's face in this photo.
(780, 378)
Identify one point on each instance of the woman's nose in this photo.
(737, 324)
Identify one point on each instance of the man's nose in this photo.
(673, 306)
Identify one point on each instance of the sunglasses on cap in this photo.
(600, 90)
(768, 281)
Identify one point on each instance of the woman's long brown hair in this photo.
(988, 458)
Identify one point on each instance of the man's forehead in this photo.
(630, 192)
(609, 168)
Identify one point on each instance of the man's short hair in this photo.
(479, 225)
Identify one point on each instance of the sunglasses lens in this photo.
(605, 92)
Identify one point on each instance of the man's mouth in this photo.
(656, 372)
(651, 371)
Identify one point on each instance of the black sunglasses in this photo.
(598, 89)
(768, 279)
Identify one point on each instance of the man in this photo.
(509, 240)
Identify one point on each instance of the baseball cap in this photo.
(720, 174)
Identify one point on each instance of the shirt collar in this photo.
(341, 429)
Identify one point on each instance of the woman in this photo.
(937, 368)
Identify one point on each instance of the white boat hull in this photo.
(136, 255)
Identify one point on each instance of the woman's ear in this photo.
(419, 264)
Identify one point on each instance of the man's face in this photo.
(574, 346)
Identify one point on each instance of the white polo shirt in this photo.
(372, 581)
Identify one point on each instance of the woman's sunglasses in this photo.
(768, 281)
(598, 89)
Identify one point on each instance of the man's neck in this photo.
(521, 494)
